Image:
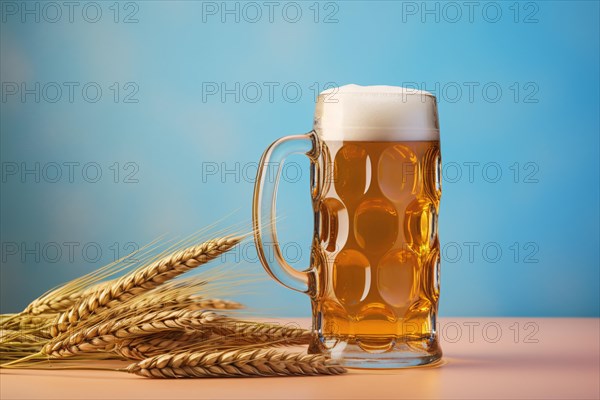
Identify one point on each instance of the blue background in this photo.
(173, 51)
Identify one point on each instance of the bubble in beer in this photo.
(376, 225)
(398, 173)
(397, 279)
(351, 277)
(420, 225)
(350, 171)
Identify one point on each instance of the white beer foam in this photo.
(376, 113)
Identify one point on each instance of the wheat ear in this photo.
(213, 304)
(161, 301)
(142, 280)
(142, 347)
(229, 335)
(235, 363)
(238, 332)
(170, 301)
(25, 322)
(59, 302)
(105, 336)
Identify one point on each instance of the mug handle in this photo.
(263, 208)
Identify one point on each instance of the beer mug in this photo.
(374, 274)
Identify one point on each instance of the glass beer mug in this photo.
(374, 272)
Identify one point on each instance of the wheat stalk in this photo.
(104, 337)
(140, 315)
(199, 303)
(261, 333)
(229, 335)
(142, 347)
(27, 322)
(168, 301)
(55, 303)
(180, 294)
(142, 280)
(236, 363)
(67, 295)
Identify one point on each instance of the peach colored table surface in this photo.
(484, 358)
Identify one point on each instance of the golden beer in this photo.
(375, 260)
(376, 248)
